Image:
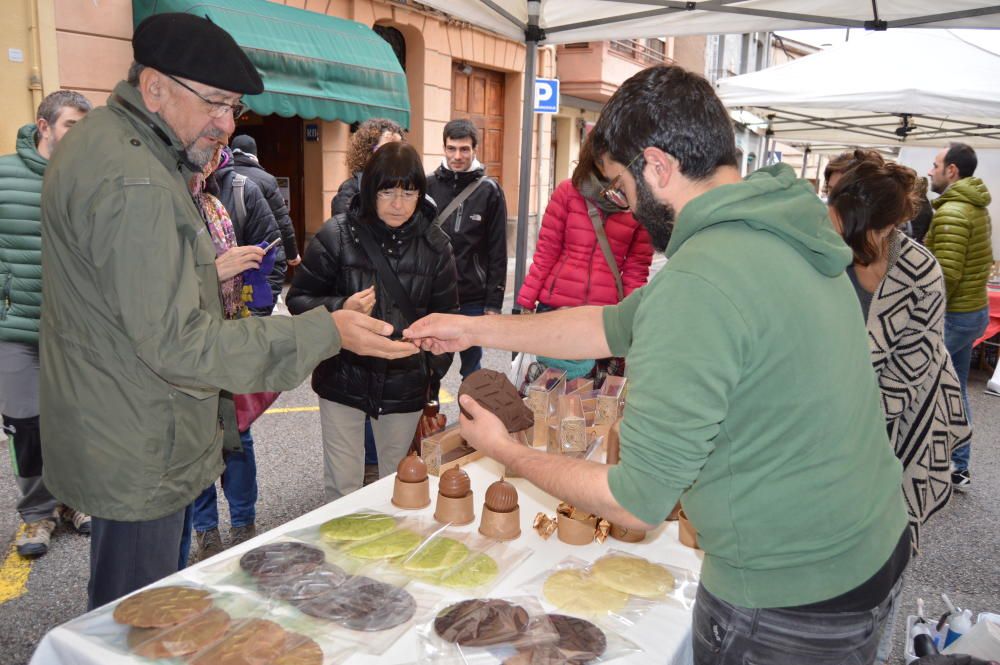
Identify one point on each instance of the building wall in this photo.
(27, 64)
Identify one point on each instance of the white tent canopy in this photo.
(565, 21)
(934, 84)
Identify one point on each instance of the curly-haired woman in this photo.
(371, 135)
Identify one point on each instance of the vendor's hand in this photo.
(296, 261)
(485, 432)
(237, 260)
(366, 336)
(441, 333)
(362, 301)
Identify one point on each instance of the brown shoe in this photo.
(33, 539)
(209, 544)
(241, 534)
(80, 521)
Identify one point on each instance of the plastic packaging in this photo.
(959, 625)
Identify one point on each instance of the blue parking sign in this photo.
(546, 95)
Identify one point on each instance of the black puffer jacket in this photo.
(335, 267)
(246, 164)
(478, 232)
(345, 193)
(259, 226)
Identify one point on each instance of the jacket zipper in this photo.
(586, 291)
(458, 217)
(6, 297)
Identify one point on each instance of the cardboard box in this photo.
(445, 449)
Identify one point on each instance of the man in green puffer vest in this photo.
(21, 283)
(960, 238)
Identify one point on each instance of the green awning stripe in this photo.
(313, 65)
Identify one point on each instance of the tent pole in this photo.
(527, 129)
(805, 160)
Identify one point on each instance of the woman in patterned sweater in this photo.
(901, 290)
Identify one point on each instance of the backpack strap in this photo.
(239, 186)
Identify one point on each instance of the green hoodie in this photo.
(753, 400)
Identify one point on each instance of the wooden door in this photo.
(279, 149)
(479, 96)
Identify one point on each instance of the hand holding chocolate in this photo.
(495, 393)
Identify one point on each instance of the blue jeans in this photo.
(473, 355)
(371, 453)
(724, 634)
(961, 330)
(239, 483)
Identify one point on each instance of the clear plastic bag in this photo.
(475, 564)
(484, 630)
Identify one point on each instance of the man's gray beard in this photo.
(657, 218)
(199, 157)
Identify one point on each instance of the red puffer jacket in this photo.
(569, 268)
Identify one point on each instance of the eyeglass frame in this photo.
(612, 189)
(397, 193)
(218, 108)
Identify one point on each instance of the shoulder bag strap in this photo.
(602, 239)
(386, 274)
(458, 200)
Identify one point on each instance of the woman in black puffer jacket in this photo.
(336, 273)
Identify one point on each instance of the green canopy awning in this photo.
(313, 65)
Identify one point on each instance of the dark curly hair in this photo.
(364, 140)
(872, 195)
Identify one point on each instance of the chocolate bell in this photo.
(411, 490)
(501, 515)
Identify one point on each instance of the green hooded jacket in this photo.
(21, 233)
(752, 399)
(961, 239)
(134, 346)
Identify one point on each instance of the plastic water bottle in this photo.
(959, 625)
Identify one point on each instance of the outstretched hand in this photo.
(484, 431)
(366, 336)
(441, 333)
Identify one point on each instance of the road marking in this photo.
(14, 573)
(445, 397)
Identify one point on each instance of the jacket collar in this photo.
(159, 136)
(445, 174)
(27, 149)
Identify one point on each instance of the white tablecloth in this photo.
(664, 632)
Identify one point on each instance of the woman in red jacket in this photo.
(569, 267)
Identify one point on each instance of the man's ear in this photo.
(43, 126)
(153, 89)
(661, 166)
(951, 171)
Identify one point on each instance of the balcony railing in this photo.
(651, 53)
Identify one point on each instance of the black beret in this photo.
(194, 48)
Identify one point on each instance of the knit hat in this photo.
(245, 144)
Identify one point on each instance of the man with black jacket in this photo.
(252, 218)
(473, 212)
(246, 163)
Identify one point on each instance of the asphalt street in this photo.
(960, 553)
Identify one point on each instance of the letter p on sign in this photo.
(546, 95)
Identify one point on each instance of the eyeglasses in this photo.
(407, 195)
(216, 109)
(613, 193)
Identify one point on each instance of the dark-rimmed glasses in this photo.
(216, 109)
(613, 193)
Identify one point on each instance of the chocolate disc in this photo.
(362, 604)
(303, 587)
(454, 483)
(252, 642)
(162, 606)
(501, 497)
(479, 623)
(182, 639)
(411, 469)
(495, 393)
(299, 650)
(281, 560)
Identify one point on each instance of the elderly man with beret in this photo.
(138, 364)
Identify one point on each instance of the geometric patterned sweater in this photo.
(921, 396)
